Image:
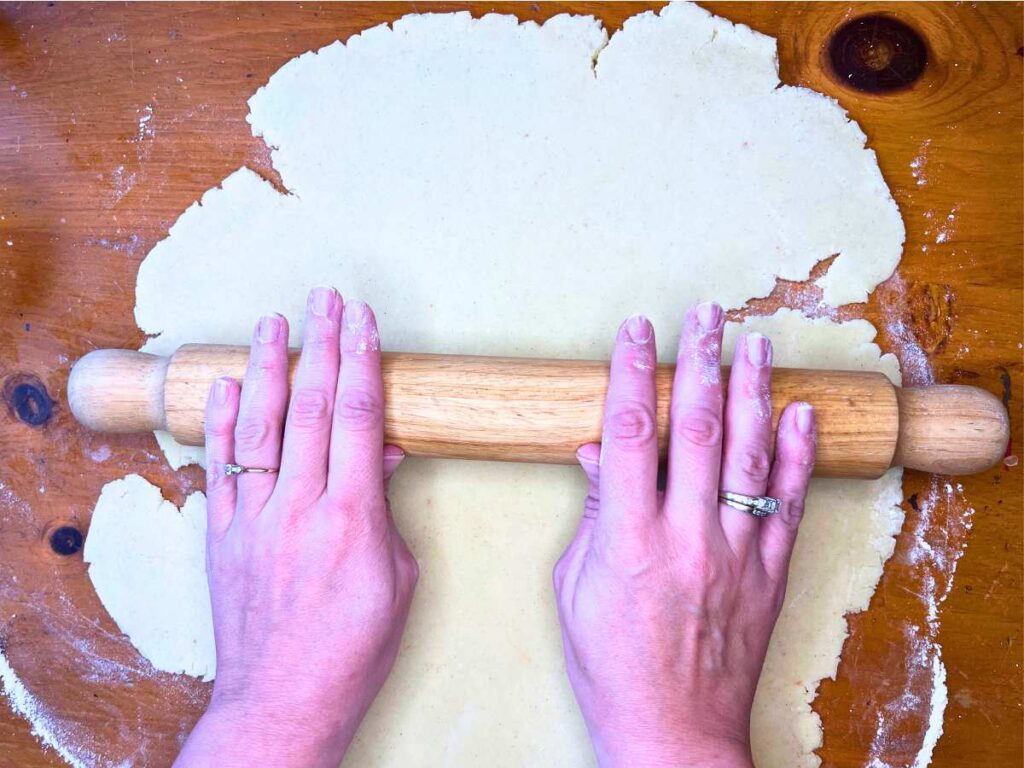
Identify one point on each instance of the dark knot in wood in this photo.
(877, 54)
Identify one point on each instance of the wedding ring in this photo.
(758, 506)
(237, 469)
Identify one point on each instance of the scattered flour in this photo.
(45, 727)
(100, 454)
(947, 228)
(919, 163)
(123, 181)
(940, 527)
(146, 130)
(914, 363)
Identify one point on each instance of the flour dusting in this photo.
(940, 527)
(123, 181)
(45, 727)
(917, 369)
(947, 228)
(146, 130)
(920, 162)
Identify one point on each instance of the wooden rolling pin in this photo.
(511, 409)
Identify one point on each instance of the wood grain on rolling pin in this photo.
(522, 409)
(510, 409)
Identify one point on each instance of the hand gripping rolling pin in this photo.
(516, 409)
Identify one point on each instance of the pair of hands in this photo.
(666, 600)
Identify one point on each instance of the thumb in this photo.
(589, 457)
(393, 456)
(567, 569)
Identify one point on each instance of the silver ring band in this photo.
(238, 469)
(758, 506)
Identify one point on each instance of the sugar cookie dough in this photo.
(147, 561)
(494, 187)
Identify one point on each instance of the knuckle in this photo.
(412, 571)
(219, 426)
(793, 508)
(558, 572)
(319, 338)
(632, 424)
(360, 410)
(265, 364)
(754, 464)
(310, 408)
(252, 433)
(700, 426)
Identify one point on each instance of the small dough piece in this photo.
(147, 562)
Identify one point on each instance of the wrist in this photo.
(662, 752)
(243, 733)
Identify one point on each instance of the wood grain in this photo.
(543, 410)
(114, 118)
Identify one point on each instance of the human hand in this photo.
(310, 582)
(667, 601)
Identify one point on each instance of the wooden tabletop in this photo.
(114, 118)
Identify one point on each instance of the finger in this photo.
(568, 567)
(695, 422)
(629, 439)
(307, 430)
(221, 488)
(746, 460)
(791, 475)
(356, 469)
(393, 456)
(261, 412)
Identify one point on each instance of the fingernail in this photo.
(709, 315)
(805, 418)
(268, 328)
(393, 453)
(759, 349)
(221, 387)
(639, 329)
(323, 301)
(360, 332)
(356, 315)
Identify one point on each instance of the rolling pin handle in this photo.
(950, 429)
(119, 390)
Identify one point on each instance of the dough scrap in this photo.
(147, 562)
(502, 188)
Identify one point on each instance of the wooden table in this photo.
(114, 118)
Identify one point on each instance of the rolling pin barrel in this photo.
(513, 409)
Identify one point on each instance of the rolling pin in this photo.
(517, 409)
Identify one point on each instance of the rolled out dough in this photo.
(503, 188)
